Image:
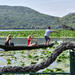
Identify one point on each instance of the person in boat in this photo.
(46, 35)
(8, 41)
(29, 41)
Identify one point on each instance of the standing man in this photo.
(47, 38)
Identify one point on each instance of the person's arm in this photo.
(53, 31)
(34, 40)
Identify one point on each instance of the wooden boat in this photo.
(14, 48)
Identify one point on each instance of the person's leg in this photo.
(48, 40)
(36, 43)
(45, 40)
(32, 44)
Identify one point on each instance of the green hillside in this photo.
(24, 17)
(69, 20)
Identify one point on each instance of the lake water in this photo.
(23, 41)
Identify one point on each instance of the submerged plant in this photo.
(9, 61)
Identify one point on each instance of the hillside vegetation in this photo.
(69, 20)
(24, 17)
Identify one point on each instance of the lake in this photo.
(23, 41)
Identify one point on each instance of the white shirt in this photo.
(47, 32)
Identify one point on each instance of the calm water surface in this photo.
(23, 41)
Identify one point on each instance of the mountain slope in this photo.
(24, 17)
(69, 20)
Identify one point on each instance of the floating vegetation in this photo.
(63, 56)
(36, 56)
(33, 62)
(56, 42)
(48, 70)
(9, 61)
(30, 56)
(58, 70)
(22, 63)
(39, 33)
(22, 52)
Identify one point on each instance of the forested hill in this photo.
(24, 17)
(69, 20)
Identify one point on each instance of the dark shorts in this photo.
(47, 38)
(12, 44)
(7, 44)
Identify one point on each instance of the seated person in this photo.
(29, 41)
(8, 41)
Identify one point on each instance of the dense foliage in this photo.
(24, 17)
(69, 20)
(39, 33)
